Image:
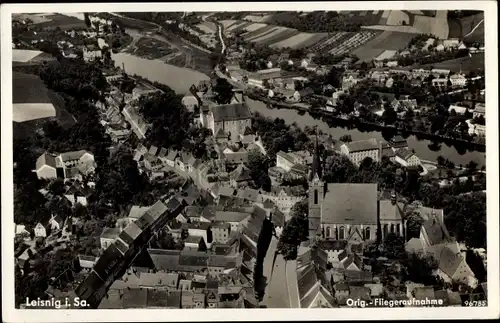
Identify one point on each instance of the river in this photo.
(180, 79)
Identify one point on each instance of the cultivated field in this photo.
(387, 40)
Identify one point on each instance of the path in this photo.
(473, 29)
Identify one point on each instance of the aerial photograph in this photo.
(280, 159)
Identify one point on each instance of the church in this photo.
(348, 211)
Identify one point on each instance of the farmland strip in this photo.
(242, 27)
(257, 32)
(263, 34)
(282, 36)
(314, 40)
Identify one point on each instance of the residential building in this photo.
(458, 109)
(479, 110)
(236, 220)
(285, 197)
(191, 102)
(440, 82)
(458, 80)
(67, 165)
(440, 72)
(137, 123)
(108, 236)
(221, 232)
(357, 151)
(91, 53)
(240, 177)
(406, 158)
(313, 289)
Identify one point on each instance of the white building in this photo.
(458, 109)
(72, 164)
(458, 80)
(359, 150)
(406, 158)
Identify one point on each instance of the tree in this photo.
(87, 19)
(394, 246)
(258, 165)
(389, 116)
(223, 91)
(57, 187)
(294, 232)
(345, 138)
(419, 268)
(413, 225)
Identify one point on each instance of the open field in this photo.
(348, 44)
(294, 41)
(255, 26)
(387, 40)
(269, 35)
(468, 64)
(263, 34)
(62, 21)
(257, 18)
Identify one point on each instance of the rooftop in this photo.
(230, 112)
(362, 145)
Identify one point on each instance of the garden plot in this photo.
(280, 37)
(294, 41)
(326, 43)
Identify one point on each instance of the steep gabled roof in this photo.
(45, 159)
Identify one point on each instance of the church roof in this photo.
(350, 204)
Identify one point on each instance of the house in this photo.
(55, 223)
(451, 43)
(236, 220)
(22, 232)
(231, 118)
(313, 290)
(436, 72)
(193, 243)
(46, 167)
(479, 110)
(285, 197)
(389, 82)
(406, 158)
(221, 232)
(303, 94)
(190, 102)
(458, 80)
(108, 236)
(458, 109)
(91, 53)
(333, 248)
(440, 82)
(172, 157)
(240, 176)
(397, 142)
(349, 81)
(137, 123)
(440, 48)
(357, 151)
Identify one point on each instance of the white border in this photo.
(491, 57)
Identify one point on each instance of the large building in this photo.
(232, 119)
(338, 211)
(66, 165)
(359, 150)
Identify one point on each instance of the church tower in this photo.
(316, 194)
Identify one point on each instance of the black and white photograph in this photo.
(264, 156)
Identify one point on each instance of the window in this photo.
(398, 228)
(392, 228)
(328, 232)
(367, 234)
(386, 230)
(315, 196)
(341, 233)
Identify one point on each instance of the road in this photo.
(276, 294)
(291, 283)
